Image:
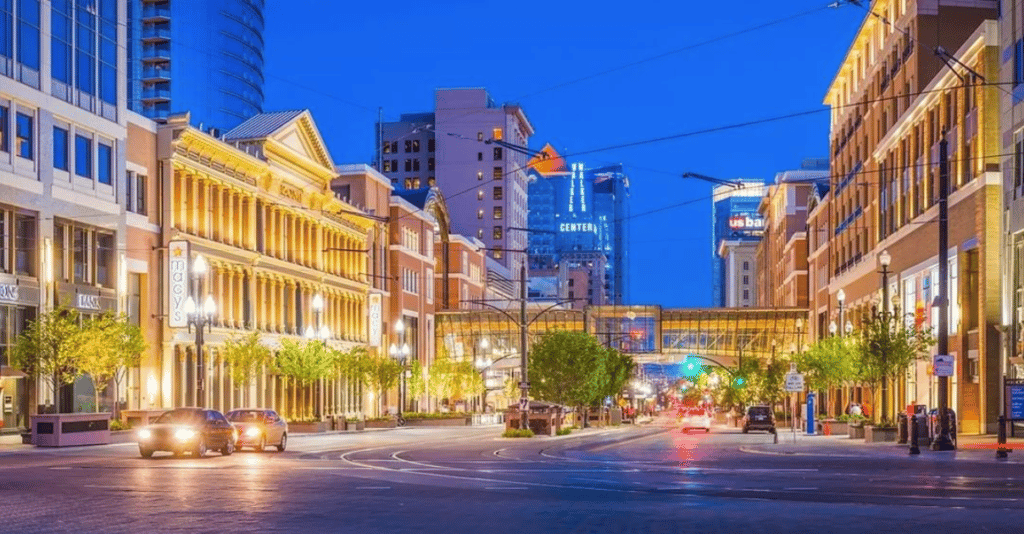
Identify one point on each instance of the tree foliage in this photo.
(304, 361)
(574, 369)
(886, 347)
(109, 345)
(451, 379)
(49, 348)
(246, 356)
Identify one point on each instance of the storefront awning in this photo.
(10, 372)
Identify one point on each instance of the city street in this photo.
(650, 478)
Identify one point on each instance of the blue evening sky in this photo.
(344, 59)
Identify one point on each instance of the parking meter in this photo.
(810, 413)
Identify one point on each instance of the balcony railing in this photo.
(160, 53)
(156, 12)
(156, 94)
(155, 34)
(155, 73)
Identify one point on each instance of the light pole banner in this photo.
(374, 310)
(177, 283)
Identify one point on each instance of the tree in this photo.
(829, 363)
(49, 348)
(381, 373)
(619, 368)
(886, 348)
(417, 381)
(245, 356)
(568, 368)
(109, 345)
(306, 362)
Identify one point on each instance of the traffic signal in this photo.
(739, 382)
(692, 368)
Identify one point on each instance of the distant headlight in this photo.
(185, 434)
(252, 432)
(145, 434)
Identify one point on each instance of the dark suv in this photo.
(759, 418)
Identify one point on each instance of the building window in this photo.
(387, 166)
(1018, 161)
(480, 231)
(60, 148)
(415, 145)
(394, 147)
(479, 136)
(479, 156)
(408, 165)
(497, 254)
(496, 134)
(746, 279)
(24, 245)
(572, 282)
(136, 184)
(408, 146)
(498, 213)
(430, 145)
(498, 193)
(1018, 63)
(415, 164)
(23, 132)
(497, 153)
(497, 232)
(80, 255)
(105, 259)
(746, 266)
(3, 129)
(746, 294)
(83, 156)
(104, 163)
(431, 181)
(28, 33)
(499, 173)
(386, 148)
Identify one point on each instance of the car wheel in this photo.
(200, 449)
(706, 430)
(284, 442)
(146, 453)
(229, 448)
(261, 445)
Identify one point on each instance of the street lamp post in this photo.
(841, 298)
(199, 316)
(943, 441)
(320, 332)
(401, 353)
(483, 363)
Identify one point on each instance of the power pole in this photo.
(524, 385)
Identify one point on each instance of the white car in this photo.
(698, 419)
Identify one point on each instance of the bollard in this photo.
(775, 436)
(1001, 439)
(827, 428)
(914, 449)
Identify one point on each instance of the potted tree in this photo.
(828, 364)
(109, 346)
(305, 363)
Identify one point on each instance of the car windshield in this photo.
(179, 417)
(759, 410)
(245, 416)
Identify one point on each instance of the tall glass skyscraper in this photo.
(584, 214)
(735, 222)
(200, 56)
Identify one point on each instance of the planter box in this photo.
(390, 423)
(856, 432)
(450, 421)
(123, 436)
(309, 427)
(70, 429)
(879, 434)
(355, 425)
(835, 428)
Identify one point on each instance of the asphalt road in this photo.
(651, 478)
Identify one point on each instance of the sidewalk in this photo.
(973, 448)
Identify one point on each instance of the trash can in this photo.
(902, 428)
(933, 424)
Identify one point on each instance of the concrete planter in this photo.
(879, 434)
(70, 429)
(835, 428)
(388, 423)
(451, 421)
(856, 431)
(355, 425)
(309, 427)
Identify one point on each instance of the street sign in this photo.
(1015, 401)
(794, 382)
(524, 385)
(943, 364)
(524, 404)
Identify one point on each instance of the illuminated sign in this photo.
(8, 292)
(746, 222)
(177, 288)
(88, 302)
(577, 227)
(374, 310)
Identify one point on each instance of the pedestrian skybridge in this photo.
(650, 333)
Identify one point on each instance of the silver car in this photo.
(259, 428)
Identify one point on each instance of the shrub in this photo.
(564, 431)
(435, 415)
(847, 418)
(516, 433)
(116, 425)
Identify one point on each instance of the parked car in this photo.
(258, 427)
(696, 418)
(192, 430)
(759, 418)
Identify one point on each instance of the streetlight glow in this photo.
(884, 258)
(209, 308)
(399, 327)
(190, 306)
(199, 265)
(318, 302)
(841, 296)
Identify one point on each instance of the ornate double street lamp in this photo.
(483, 363)
(401, 353)
(200, 317)
(321, 333)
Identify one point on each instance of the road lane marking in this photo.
(373, 487)
(504, 488)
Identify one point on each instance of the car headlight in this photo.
(252, 432)
(145, 434)
(184, 434)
